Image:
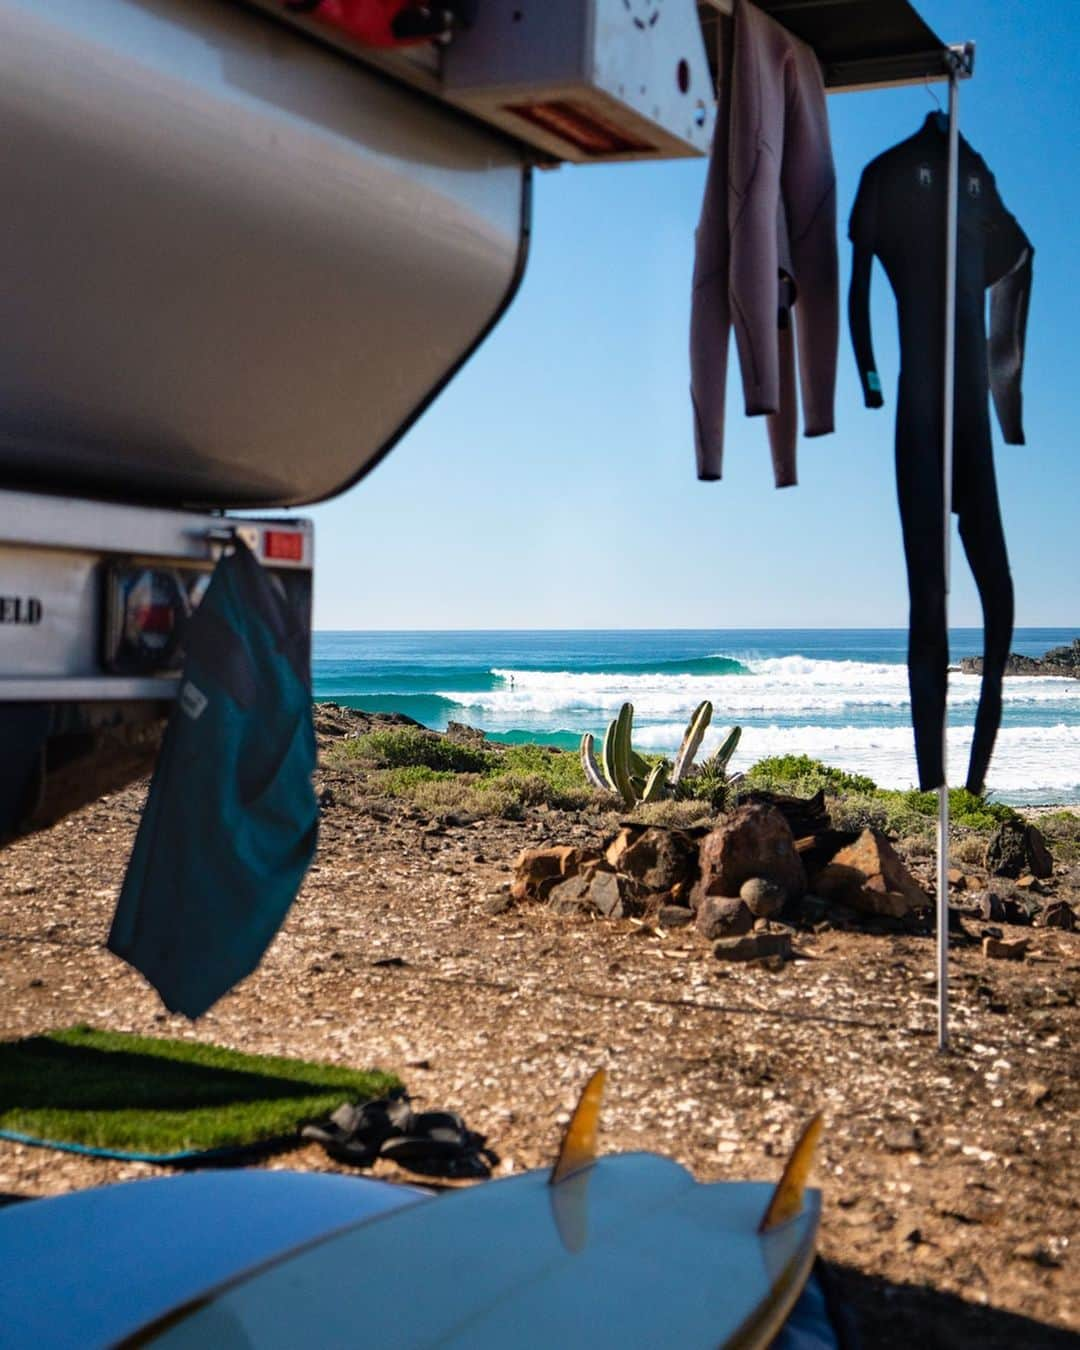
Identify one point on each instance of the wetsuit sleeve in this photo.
(1009, 274)
(862, 231)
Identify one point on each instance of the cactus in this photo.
(691, 741)
(589, 764)
(718, 762)
(656, 782)
(627, 774)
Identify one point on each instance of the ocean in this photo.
(839, 695)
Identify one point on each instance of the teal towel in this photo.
(231, 820)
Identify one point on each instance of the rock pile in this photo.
(733, 882)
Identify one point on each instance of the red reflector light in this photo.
(579, 125)
(284, 545)
(154, 619)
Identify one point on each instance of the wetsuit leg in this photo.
(921, 500)
(984, 543)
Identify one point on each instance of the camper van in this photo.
(245, 245)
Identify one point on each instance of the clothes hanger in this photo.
(941, 117)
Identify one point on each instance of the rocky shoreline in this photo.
(1062, 662)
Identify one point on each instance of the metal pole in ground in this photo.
(947, 475)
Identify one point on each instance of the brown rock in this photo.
(537, 871)
(754, 841)
(754, 948)
(614, 852)
(570, 896)
(723, 916)
(1029, 883)
(612, 895)
(816, 850)
(1038, 855)
(658, 859)
(675, 916)
(869, 876)
(1005, 951)
(1058, 914)
(1015, 848)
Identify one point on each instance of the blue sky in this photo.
(552, 485)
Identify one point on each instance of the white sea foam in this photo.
(1039, 762)
(789, 686)
(789, 701)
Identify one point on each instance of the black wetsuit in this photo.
(899, 215)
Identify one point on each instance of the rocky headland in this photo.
(1060, 661)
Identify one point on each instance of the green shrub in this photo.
(1062, 831)
(802, 776)
(559, 768)
(678, 815)
(412, 747)
(404, 782)
(534, 789)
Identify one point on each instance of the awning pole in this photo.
(947, 475)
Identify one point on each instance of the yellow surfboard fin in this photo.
(787, 1199)
(578, 1148)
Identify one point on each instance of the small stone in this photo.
(1029, 883)
(1058, 914)
(1005, 951)
(957, 879)
(992, 907)
(1036, 1093)
(756, 947)
(497, 902)
(611, 895)
(570, 896)
(1037, 1253)
(457, 820)
(675, 916)
(762, 897)
(902, 1139)
(721, 916)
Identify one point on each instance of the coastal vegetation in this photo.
(442, 775)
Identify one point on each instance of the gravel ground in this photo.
(950, 1182)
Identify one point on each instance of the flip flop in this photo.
(431, 1143)
(440, 1144)
(355, 1134)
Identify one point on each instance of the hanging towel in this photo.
(230, 823)
(766, 241)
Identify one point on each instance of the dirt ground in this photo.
(950, 1182)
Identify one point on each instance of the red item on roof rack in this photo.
(377, 23)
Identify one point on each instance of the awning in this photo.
(860, 43)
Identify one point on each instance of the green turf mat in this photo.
(156, 1098)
